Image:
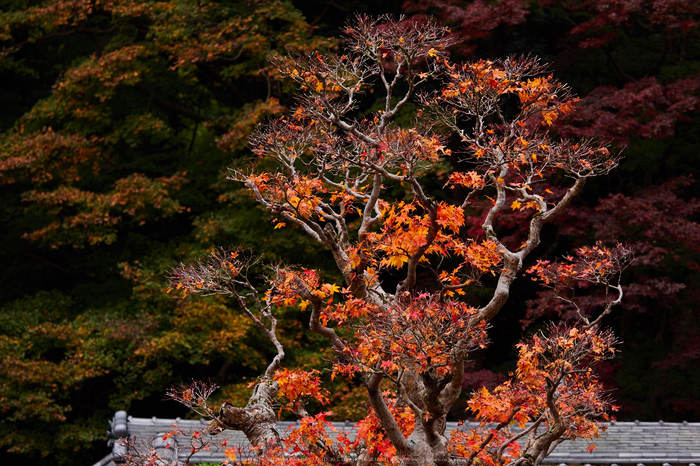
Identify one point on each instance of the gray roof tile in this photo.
(622, 442)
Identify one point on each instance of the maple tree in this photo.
(120, 117)
(355, 181)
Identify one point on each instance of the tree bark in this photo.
(257, 420)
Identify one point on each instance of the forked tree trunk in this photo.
(426, 451)
(257, 420)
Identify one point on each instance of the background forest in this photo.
(119, 120)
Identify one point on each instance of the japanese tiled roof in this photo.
(638, 443)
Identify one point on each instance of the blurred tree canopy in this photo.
(120, 118)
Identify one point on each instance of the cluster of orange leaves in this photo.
(470, 179)
(480, 257)
(311, 81)
(347, 311)
(372, 438)
(298, 385)
(291, 283)
(407, 149)
(406, 230)
(311, 442)
(473, 80)
(595, 264)
(554, 366)
(315, 441)
(417, 334)
(299, 193)
(403, 233)
(483, 445)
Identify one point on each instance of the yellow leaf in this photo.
(516, 205)
(334, 288)
(280, 225)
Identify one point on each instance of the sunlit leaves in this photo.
(553, 386)
(479, 90)
(330, 76)
(371, 437)
(421, 334)
(470, 179)
(311, 441)
(291, 284)
(597, 264)
(297, 385)
(483, 445)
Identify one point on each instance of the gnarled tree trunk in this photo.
(257, 420)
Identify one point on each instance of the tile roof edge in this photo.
(170, 421)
